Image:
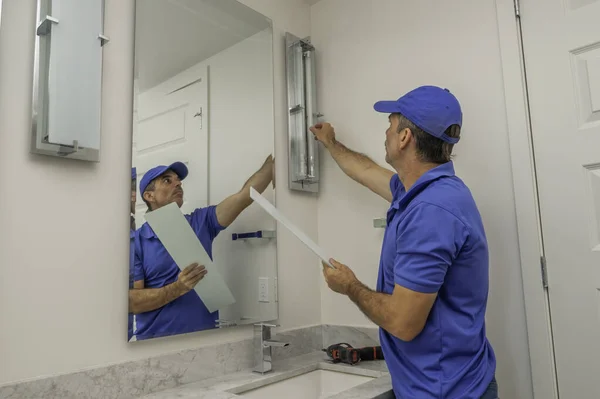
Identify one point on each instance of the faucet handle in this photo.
(225, 323)
(264, 328)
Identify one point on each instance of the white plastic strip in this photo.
(176, 234)
(271, 210)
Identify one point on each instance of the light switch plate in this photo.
(263, 289)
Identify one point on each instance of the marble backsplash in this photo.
(136, 378)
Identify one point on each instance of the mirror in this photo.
(203, 132)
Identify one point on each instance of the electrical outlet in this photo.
(263, 289)
(275, 289)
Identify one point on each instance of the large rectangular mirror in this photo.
(203, 133)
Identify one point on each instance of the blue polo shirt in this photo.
(435, 242)
(156, 267)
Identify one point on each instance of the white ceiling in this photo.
(173, 35)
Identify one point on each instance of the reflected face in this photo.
(133, 192)
(166, 189)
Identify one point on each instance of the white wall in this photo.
(368, 51)
(63, 224)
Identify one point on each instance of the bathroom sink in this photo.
(315, 384)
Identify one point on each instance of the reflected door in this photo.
(172, 126)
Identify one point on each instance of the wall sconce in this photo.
(303, 160)
(67, 79)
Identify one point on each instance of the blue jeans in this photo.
(492, 390)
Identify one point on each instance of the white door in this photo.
(172, 126)
(561, 41)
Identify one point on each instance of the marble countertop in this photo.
(228, 386)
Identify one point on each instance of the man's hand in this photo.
(339, 279)
(268, 169)
(269, 165)
(324, 133)
(230, 208)
(402, 314)
(358, 167)
(143, 299)
(273, 173)
(190, 276)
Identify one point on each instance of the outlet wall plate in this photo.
(263, 289)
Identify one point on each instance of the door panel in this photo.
(561, 41)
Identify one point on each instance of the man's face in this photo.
(397, 143)
(391, 139)
(167, 189)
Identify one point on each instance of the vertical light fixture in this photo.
(303, 150)
(67, 79)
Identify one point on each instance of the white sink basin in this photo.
(313, 385)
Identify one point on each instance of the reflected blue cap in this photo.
(178, 167)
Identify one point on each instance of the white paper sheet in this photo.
(271, 210)
(180, 241)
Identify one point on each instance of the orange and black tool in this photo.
(345, 353)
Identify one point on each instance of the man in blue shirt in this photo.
(163, 298)
(432, 286)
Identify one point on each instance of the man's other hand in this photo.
(339, 278)
(190, 276)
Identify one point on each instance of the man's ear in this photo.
(405, 137)
(148, 196)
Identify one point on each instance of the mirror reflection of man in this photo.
(131, 246)
(163, 298)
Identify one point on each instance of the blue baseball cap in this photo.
(133, 173)
(430, 108)
(178, 167)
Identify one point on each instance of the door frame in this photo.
(539, 328)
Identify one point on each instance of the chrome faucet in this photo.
(262, 347)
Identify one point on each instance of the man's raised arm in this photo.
(357, 166)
